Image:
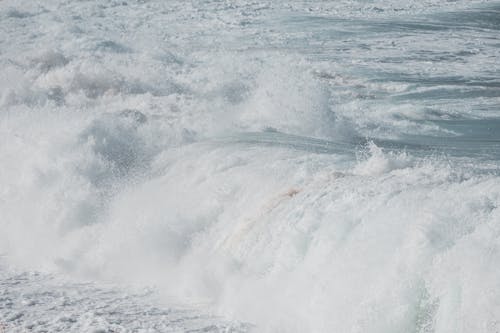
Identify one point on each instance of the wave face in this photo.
(304, 167)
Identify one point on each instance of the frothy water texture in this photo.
(327, 166)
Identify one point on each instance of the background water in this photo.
(328, 166)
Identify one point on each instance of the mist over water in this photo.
(302, 166)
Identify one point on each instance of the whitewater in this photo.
(249, 166)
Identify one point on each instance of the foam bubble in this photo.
(379, 162)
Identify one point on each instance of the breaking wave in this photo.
(296, 167)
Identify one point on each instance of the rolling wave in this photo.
(303, 167)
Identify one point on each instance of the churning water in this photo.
(327, 166)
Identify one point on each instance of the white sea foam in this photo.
(281, 164)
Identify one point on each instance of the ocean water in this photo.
(326, 166)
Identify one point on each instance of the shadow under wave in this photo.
(477, 138)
